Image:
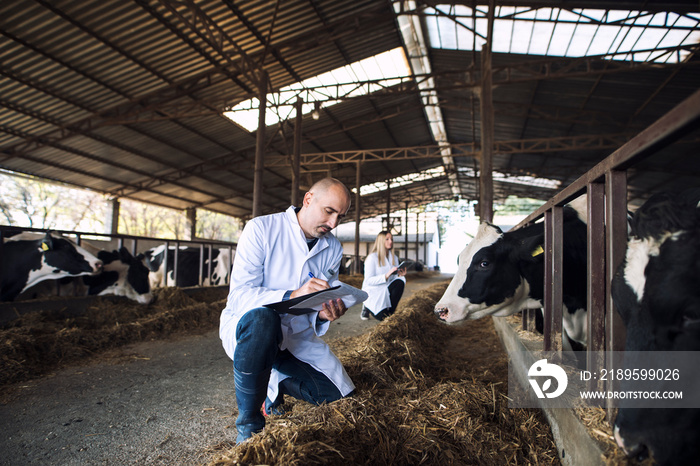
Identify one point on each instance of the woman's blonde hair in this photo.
(382, 252)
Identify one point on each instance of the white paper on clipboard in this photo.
(349, 294)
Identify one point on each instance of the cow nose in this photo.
(98, 266)
(442, 312)
(638, 451)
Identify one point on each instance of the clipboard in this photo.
(313, 302)
(401, 266)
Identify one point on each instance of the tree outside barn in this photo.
(29, 202)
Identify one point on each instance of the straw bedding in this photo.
(427, 393)
(39, 342)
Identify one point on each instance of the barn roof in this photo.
(128, 98)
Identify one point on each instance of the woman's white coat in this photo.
(375, 283)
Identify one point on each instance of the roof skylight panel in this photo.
(329, 88)
(620, 34)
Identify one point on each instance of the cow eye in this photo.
(483, 264)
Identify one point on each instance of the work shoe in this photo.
(276, 410)
(365, 313)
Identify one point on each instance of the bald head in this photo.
(324, 206)
(327, 184)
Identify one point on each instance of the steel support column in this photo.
(260, 147)
(425, 239)
(388, 205)
(356, 262)
(191, 214)
(297, 155)
(417, 237)
(405, 233)
(112, 226)
(487, 127)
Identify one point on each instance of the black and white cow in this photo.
(657, 293)
(188, 260)
(501, 273)
(122, 275)
(29, 258)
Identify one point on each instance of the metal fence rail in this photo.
(606, 187)
(139, 244)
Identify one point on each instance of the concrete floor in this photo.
(157, 402)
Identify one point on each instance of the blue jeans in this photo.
(258, 336)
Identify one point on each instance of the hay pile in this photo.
(353, 280)
(357, 278)
(427, 393)
(39, 342)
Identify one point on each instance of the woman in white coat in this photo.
(384, 281)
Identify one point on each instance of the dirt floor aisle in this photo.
(159, 402)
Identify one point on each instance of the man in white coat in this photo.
(278, 257)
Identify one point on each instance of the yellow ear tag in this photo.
(538, 250)
(44, 246)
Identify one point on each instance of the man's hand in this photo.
(332, 310)
(313, 285)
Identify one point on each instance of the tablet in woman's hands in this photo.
(402, 265)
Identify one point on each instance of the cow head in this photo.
(657, 295)
(55, 257)
(124, 275)
(67, 257)
(137, 276)
(488, 280)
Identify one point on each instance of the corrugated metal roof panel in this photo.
(126, 98)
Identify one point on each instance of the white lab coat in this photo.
(376, 286)
(272, 257)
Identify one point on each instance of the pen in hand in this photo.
(311, 286)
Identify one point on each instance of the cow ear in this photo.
(537, 251)
(47, 242)
(532, 248)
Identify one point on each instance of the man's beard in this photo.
(322, 230)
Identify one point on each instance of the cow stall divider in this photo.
(94, 242)
(606, 188)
